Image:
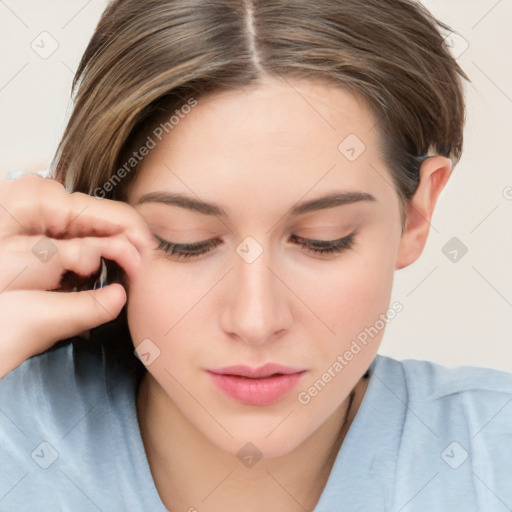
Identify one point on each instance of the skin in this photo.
(257, 152)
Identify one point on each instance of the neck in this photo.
(192, 473)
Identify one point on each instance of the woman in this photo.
(253, 173)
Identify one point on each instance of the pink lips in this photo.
(256, 386)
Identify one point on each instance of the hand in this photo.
(46, 233)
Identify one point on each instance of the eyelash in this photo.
(322, 247)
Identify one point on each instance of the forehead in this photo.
(276, 114)
(275, 141)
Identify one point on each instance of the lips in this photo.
(266, 370)
(256, 386)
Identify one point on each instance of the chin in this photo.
(263, 442)
(260, 448)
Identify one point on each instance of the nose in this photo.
(256, 311)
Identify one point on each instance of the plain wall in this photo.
(454, 312)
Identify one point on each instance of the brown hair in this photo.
(147, 59)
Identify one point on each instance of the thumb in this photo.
(48, 317)
(81, 311)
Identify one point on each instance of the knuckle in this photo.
(84, 252)
(73, 253)
(29, 186)
(77, 198)
(118, 244)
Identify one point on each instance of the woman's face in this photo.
(258, 296)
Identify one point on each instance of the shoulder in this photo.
(428, 380)
(474, 395)
(455, 430)
(46, 389)
(61, 415)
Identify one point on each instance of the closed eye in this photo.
(319, 247)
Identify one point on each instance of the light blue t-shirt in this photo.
(425, 438)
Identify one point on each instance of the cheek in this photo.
(351, 293)
(172, 305)
(156, 300)
(354, 304)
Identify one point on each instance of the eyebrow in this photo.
(190, 203)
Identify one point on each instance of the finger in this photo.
(41, 265)
(33, 204)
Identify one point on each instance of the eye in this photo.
(325, 246)
(322, 247)
(186, 250)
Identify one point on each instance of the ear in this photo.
(434, 174)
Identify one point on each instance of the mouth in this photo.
(256, 386)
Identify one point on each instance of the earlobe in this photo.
(434, 174)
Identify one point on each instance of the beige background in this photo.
(453, 312)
